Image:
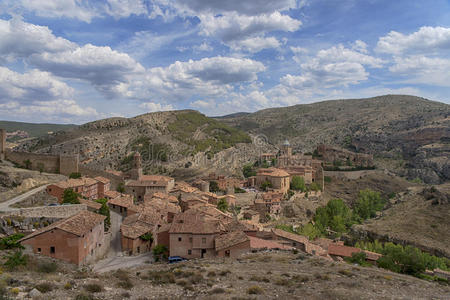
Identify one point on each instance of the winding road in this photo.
(4, 206)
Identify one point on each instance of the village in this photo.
(156, 216)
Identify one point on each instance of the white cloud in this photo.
(55, 110)
(251, 8)
(203, 47)
(125, 8)
(210, 77)
(31, 86)
(427, 40)
(101, 66)
(423, 70)
(360, 46)
(153, 107)
(255, 44)
(233, 26)
(19, 39)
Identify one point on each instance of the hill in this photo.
(406, 134)
(167, 141)
(35, 129)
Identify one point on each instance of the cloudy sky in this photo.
(73, 61)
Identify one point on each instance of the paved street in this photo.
(4, 206)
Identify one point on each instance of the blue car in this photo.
(175, 259)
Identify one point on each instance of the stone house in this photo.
(133, 231)
(251, 215)
(121, 204)
(192, 235)
(290, 239)
(339, 251)
(85, 186)
(78, 239)
(90, 204)
(103, 185)
(268, 203)
(278, 179)
(258, 244)
(111, 194)
(232, 244)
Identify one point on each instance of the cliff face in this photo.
(406, 134)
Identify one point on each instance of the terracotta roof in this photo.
(322, 242)
(112, 194)
(273, 172)
(259, 244)
(135, 230)
(78, 224)
(145, 215)
(164, 228)
(70, 183)
(230, 239)
(192, 222)
(290, 236)
(90, 203)
(123, 201)
(102, 179)
(372, 255)
(236, 225)
(341, 250)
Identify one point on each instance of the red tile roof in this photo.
(341, 250)
(102, 179)
(259, 244)
(78, 224)
(123, 201)
(230, 239)
(290, 236)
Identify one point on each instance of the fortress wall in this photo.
(48, 163)
(68, 164)
(350, 175)
(60, 211)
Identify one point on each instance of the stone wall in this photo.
(44, 162)
(349, 175)
(332, 154)
(91, 172)
(60, 211)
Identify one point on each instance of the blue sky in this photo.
(73, 61)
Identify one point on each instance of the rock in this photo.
(34, 293)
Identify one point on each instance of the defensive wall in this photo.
(57, 212)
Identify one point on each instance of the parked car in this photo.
(175, 259)
(53, 204)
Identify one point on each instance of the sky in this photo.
(75, 61)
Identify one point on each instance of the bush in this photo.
(159, 251)
(161, 277)
(121, 188)
(266, 185)
(358, 258)
(125, 284)
(368, 203)
(47, 267)
(68, 286)
(213, 186)
(93, 287)
(327, 179)
(16, 259)
(222, 205)
(70, 197)
(75, 175)
(298, 184)
(44, 287)
(83, 296)
(11, 241)
(248, 171)
(255, 290)
(104, 210)
(217, 290)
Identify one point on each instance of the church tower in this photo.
(137, 166)
(286, 149)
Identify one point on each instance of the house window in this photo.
(203, 240)
(189, 252)
(179, 239)
(39, 250)
(52, 249)
(138, 249)
(190, 240)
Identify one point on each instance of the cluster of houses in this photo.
(156, 210)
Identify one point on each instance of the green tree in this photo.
(213, 186)
(104, 210)
(121, 188)
(222, 205)
(27, 164)
(11, 241)
(75, 175)
(248, 171)
(358, 258)
(274, 162)
(368, 203)
(159, 252)
(15, 260)
(70, 197)
(335, 215)
(298, 183)
(310, 231)
(147, 237)
(266, 185)
(315, 187)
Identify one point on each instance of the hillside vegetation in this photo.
(166, 141)
(406, 134)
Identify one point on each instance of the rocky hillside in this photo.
(406, 134)
(167, 141)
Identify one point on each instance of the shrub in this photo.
(11, 241)
(213, 186)
(104, 210)
(68, 286)
(217, 290)
(327, 179)
(222, 205)
(75, 175)
(298, 184)
(84, 296)
(255, 290)
(358, 258)
(368, 203)
(125, 284)
(16, 259)
(159, 251)
(248, 171)
(161, 277)
(70, 197)
(47, 267)
(93, 287)
(147, 237)
(44, 287)
(121, 188)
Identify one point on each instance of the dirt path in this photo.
(122, 262)
(5, 206)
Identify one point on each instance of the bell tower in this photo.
(138, 165)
